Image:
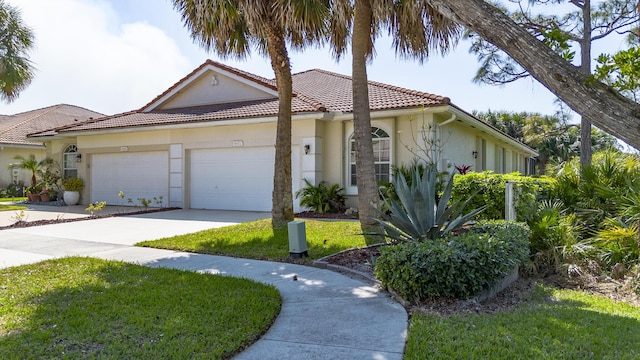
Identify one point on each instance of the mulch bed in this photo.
(520, 291)
(334, 216)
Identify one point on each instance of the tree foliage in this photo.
(621, 71)
(16, 39)
(560, 32)
(555, 139)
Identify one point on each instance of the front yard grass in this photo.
(257, 240)
(5, 207)
(90, 308)
(11, 207)
(557, 324)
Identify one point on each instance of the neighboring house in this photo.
(207, 142)
(15, 128)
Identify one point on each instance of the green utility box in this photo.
(297, 239)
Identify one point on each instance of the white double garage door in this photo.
(225, 179)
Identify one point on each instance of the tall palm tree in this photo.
(417, 29)
(16, 39)
(231, 28)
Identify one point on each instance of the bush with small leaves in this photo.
(459, 266)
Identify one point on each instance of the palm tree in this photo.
(16, 71)
(417, 28)
(30, 163)
(231, 28)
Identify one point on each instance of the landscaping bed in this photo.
(24, 224)
(360, 261)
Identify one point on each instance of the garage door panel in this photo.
(233, 179)
(139, 175)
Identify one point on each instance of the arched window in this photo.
(70, 162)
(381, 156)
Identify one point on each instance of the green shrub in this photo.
(419, 215)
(322, 199)
(490, 189)
(73, 184)
(458, 266)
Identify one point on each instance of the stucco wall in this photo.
(226, 89)
(7, 155)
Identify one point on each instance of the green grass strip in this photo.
(15, 199)
(4, 207)
(257, 240)
(90, 308)
(560, 324)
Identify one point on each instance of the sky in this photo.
(114, 56)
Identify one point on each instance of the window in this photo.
(381, 156)
(70, 162)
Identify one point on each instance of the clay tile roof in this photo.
(314, 91)
(334, 92)
(15, 128)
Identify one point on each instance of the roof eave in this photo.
(483, 126)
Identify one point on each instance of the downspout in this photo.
(449, 120)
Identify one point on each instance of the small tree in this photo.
(31, 164)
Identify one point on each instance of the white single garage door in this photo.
(138, 174)
(235, 178)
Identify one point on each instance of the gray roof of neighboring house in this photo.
(15, 128)
(314, 91)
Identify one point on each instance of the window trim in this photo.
(353, 189)
(68, 150)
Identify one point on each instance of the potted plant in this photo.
(45, 195)
(72, 188)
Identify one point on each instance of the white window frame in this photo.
(353, 189)
(70, 157)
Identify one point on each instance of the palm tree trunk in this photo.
(365, 167)
(282, 196)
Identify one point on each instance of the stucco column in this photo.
(176, 175)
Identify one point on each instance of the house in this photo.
(15, 128)
(207, 142)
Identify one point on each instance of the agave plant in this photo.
(419, 215)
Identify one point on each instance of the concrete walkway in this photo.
(324, 315)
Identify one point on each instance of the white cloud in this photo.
(85, 56)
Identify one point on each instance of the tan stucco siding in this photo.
(7, 155)
(226, 89)
(333, 166)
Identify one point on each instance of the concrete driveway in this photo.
(131, 229)
(25, 245)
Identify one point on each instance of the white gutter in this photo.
(488, 129)
(449, 120)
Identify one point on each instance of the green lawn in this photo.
(90, 308)
(16, 199)
(10, 207)
(557, 324)
(4, 207)
(256, 240)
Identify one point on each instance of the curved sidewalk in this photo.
(324, 315)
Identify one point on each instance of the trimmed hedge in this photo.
(457, 266)
(491, 188)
